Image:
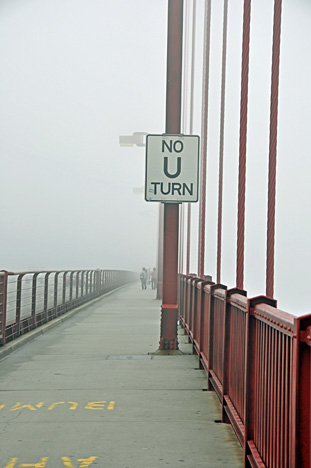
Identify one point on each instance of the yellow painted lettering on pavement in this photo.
(67, 462)
(19, 406)
(95, 405)
(11, 463)
(40, 464)
(54, 404)
(85, 462)
(73, 406)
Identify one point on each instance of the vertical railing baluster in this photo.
(18, 305)
(3, 305)
(33, 300)
(46, 295)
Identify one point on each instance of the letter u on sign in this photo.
(172, 176)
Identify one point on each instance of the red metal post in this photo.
(169, 317)
(160, 253)
(206, 62)
(168, 339)
(242, 150)
(181, 240)
(273, 146)
(188, 238)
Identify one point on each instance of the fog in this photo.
(76, 75)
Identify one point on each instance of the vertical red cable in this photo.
(242, 147)
(205, 86)
(191, 126)
(273, 146)
(183, 130)
(221, 138)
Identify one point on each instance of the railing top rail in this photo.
(239, 301)
(275, 318)
(202, 283)
(32, 272)
(208, 288)
(216, 289)
(220, 291)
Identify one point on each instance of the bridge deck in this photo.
(89, 388)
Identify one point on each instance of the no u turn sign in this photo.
(172, 168)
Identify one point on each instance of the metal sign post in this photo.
(169, 316)
(165, 163)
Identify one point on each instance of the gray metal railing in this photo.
(31, 298)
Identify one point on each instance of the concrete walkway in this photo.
(88, 393)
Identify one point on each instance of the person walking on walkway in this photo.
(143, 278)
(154, 278)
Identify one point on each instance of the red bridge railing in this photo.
(30, 299)
(257, 359)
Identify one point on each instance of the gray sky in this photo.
(76, 75)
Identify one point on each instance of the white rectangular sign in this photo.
(172, 168)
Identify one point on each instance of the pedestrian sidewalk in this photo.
(90, 392)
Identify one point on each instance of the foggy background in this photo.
(76, 75)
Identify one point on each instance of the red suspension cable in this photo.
(206, 64)
(273, 146)
(221, 143)
(191, 125)
(242, 148)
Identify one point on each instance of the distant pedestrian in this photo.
(143, 278)
(154, 278)
(148, 276)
